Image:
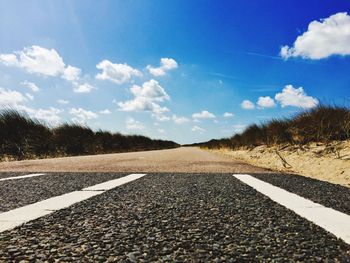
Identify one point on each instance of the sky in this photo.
(187, 71)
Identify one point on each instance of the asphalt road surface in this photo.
(196, 213)
(187, 160)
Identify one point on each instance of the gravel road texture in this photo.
(21, 192)
(331, 195)
(186, 159)
(174, 218)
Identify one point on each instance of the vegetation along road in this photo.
(178, 205)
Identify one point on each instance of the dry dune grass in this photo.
(314, 143)
(24, 138)
(321, 124)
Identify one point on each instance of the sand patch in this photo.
(327, 162)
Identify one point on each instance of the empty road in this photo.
(187, 160)
(179, 205)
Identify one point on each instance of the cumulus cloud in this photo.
(132, 124)
(266, 102)
(141, 104)
(247, 105)
(203, 115)
(41, 61)
(30, 85)
(81, 115)
(106, 111)
(197, 129)
(83, 88)
(161, 116)
(117, 73)
(166, 64)
(63, 101)
(180, 120)
(146, 98)
(151, 90)
(296, 97)
(71, 73)
(324, 38)
(50, 115)
(9, 59)
(228, 115)
(36, 59)
(15, 100)
(11, 97)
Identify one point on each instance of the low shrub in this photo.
(324, 123)
(22, 137)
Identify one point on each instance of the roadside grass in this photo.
(22, 137)
(324, 124)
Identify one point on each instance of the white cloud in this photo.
(151, 90)
(228, 115)
(83, 88)
(71, 73)
(145, 99)
(36, 59)
(266, 102)
(141, 104)
(132, 124)
(81, 115)
(247, 105)
(324, 38)
(9, 59)
(106, 111)
(161, 116)
(296, 97)
(14, 99)
(11, 97)
(42, 61)
(30, 85)
(117, 73)
(203, 115)
(179, 120)
(166, 64)
(238, 128)
(63, 101)
(197, 129)
(50, 115)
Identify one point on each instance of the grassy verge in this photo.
(24, 138)
(321, 124)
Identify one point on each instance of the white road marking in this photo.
(113, 183)
(331, 220)
(19, 216)
(20, 177)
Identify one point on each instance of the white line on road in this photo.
(113, 183)
(329, 219)
(19, 216)
(20, 177)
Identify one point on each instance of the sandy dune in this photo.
(327, 162)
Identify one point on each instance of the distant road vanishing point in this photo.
(184, 159)
(177, 205)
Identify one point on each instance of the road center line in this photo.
(20, 177)
(333, 221)
(19, 216)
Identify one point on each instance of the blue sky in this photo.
(187, 71)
